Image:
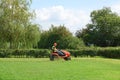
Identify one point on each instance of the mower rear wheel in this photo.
(67, 58)
(51, 57)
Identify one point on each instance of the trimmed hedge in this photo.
(34, 53)
(109, 52)
(103, 52)
(83, 53)
(42, 53)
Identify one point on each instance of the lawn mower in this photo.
(66, 55)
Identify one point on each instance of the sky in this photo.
(74, 14)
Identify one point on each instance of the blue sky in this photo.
(74, 14)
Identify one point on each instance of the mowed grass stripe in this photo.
(43, 69)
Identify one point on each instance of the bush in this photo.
(19, 53)
(5, 53)
(109, 52)
(83, 52)
(42, 53)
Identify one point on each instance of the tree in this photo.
(62, 36)
(32, 36)
(14, 20)
(54, 34)
(70, 42)
(104, 29)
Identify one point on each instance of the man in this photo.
(54, 49)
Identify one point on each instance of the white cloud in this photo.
(42, 14)
(116, 8)
(56, 15)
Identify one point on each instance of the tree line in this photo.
(104, 29)
(17, 31)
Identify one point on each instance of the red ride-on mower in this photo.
(66, 55)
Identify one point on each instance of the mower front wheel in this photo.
(67, 58)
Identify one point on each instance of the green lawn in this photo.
(43, 69)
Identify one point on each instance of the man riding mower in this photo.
(59, 53)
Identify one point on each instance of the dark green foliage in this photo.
(91, 52)
(54, 34)
(62, 36)
(5, 53)
(83, 53)
(104, 29)
(42, 53)
(109, 52)
(33, 53)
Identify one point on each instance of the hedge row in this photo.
(83, 53)
(41, 53)
(35, 53)
(103, 52)
(109, 52)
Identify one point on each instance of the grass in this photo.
(43, 69)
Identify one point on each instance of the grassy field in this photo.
(43, 69)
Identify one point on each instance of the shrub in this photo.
(42, 53)
(109, 52)
(5, 53)
(83, 52)
(19, 53)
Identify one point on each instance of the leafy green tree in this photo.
(32, 36)
(62, 36)
(104, 29)
(71, 42)
(43, 42)
(14, 20)
(54, 34)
